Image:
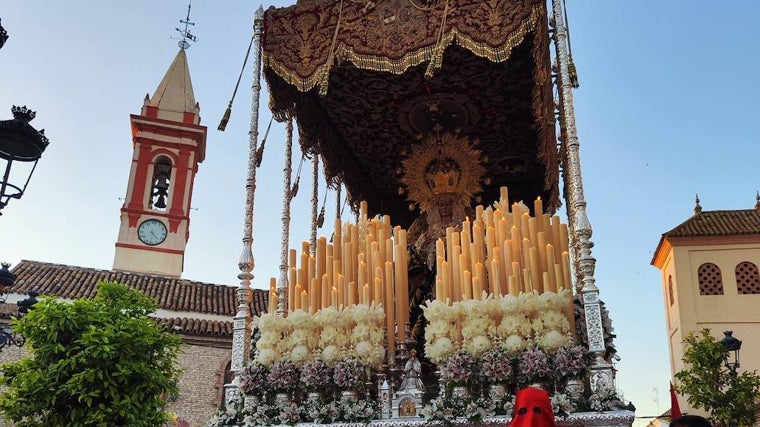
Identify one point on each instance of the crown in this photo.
(442, 176)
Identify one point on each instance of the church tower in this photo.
(168, 144)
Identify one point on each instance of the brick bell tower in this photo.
(168, 143)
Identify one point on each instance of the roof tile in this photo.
(68, 281)
(719, 223)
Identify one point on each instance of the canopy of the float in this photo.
(365, 80)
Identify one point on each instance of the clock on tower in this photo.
(168, 144)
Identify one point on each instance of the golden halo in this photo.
(449, 149)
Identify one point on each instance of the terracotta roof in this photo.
(67, 281)
(719, 223)
(209, 328)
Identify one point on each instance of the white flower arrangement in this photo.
(330, 335)
(514, 322)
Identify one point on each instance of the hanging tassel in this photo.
(225, 118)
(321, 218)
(294, 189)
(259, 155)
(573, 74)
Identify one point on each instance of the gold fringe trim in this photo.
(432, 54)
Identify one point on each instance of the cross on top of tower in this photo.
(187, 36)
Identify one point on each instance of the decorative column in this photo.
(287, 195)
(314, 201)
(241, 334)
(601, 369)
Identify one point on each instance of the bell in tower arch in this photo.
(160, 185)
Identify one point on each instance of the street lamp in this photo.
(733, 345)
(19, 143)
(3, 36)
(7, 279)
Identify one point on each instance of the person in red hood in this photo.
(532, 409)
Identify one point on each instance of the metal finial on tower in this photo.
(697, 208)
(757, 200)
(184, 32)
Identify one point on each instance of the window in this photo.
(710, 279)
(161, 181)
(747, 278)
(670, 290)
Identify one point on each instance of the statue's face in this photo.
(444, 210)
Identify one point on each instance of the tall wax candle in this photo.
(304, 302)
(321, 257)
(338, 240)
(326, 288)
(538, 207)
(467, 284)
(550, 268)
(535, 270)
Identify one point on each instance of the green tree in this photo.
(709, 385)
(95, 362)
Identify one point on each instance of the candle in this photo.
(516, 241)
(338, 240)
(291, 293)
(291, 278)
(295, 304)
(494, 278)
(326, 288)
(304, 301)
(376, 285)
(535, 270)
(363, 210)
(541, 245)
(556, 241)
(336, 278)
(272, 295)
(312, 267)
(363, 273)
(480, 273)
(538, 207)
(314, 303)
(352, 291)
(566, 269)
(467, 284)
(387, 284)
(389, 309)
(513, 286)
(517, 272)
(524, 224)
(504, 195)
(305, 248)
(477, 288)
(365, 291)
(546, 277)
(321, 257)
(559, 277)
(563, 238)
(550, 263)
(527, 285)
(516, 215)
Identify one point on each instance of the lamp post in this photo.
(21, 147)
(7, 279)
(3, 36)
(733, 345)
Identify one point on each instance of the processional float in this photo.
(457, 283)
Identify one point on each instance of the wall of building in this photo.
(690, 311)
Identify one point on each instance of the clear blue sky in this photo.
(665, 110)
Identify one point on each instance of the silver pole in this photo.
(282, 290)
(314, 202)
(241, 334)
(601, 370)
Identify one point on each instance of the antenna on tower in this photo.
(185, 33)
